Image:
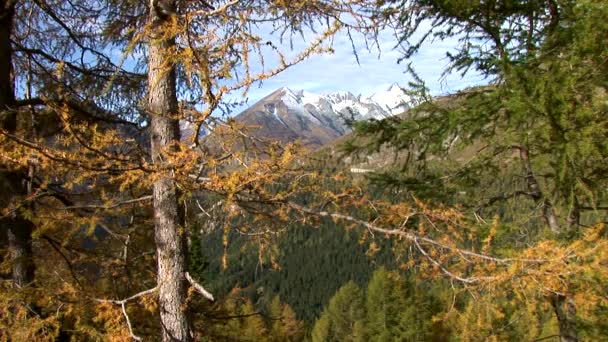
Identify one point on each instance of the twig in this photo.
(111, 206)
(198, 287)
(219, 10)
(124, 312)
(218, 203)
(65, 258)
(123, 303)
(411, 236)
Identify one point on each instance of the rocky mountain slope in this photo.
(313, 119)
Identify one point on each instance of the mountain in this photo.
(393, 100)
(314, 120)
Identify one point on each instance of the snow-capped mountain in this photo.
(287, 115)
(393, 100)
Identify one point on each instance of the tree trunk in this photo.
(20, 245)
(534, 189)
(168, 212)
(564, 307)
(17, 229)
(7, 95)
(565, 310)
(574, 216)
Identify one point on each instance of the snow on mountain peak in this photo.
(394, 100)
(343, 103)
(315, 119)
(290, 98)
(310, 98)
(394, 86)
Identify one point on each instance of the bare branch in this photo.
(198, 287)
(411, 236)
(111, 206)
(124, 312)
(446, 271)
(211, 12)
(123, 301)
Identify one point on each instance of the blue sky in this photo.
(377, 69)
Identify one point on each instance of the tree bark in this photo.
(170, 237)
(565, 310)
(17, 229)
(7, 95)
(20, 245)
(564, 307)
(574, 216)
(548, 212)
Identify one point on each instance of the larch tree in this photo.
(168, 211)
(343, 319)
(527, 149)
(216, 39)
(103, 154)
(55, 73)
(284, 325)
(13, 226)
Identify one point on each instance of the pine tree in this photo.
(320, 330)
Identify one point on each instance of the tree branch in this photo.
(445, 270)
(124, 313)
(212, 11)
(111, 206)
(123, 303)
(198, 287)
(535, 191)
(503, 197)
(413, 237)
(65, 258)
(128, 299)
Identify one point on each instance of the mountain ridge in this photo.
(313, 119)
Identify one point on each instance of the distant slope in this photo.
(387, 157)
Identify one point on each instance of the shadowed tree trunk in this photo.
(565, 310)
(548, 212)
(17, 230)
(7, 11)
(20, 245)
(564, 307)
(168, 211)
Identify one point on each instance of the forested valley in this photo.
(135, 205)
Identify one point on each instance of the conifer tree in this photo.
(342, 320)
(284, 324)
(15, 228)
(378, 298)
(526, 148)
(111, 140)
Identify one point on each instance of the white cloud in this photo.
(377, 69)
